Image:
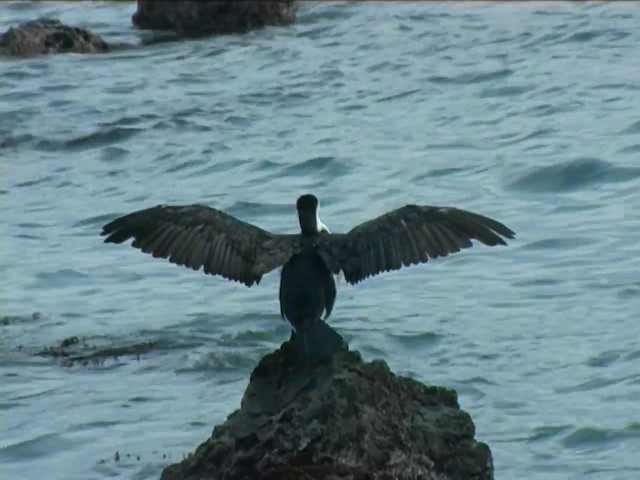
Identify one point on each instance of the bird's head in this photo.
(307, 203)
(308, 208)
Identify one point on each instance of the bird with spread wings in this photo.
(199, 236)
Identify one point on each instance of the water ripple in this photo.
(597, 437)
(470, 78)
(573, 175)
(45, 445)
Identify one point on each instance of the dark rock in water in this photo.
(46, 36)
(73, 350)
(191, 18)
(344, 420)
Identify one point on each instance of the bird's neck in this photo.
(310, 224)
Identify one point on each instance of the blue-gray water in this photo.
(529, 113)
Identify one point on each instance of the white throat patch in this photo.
(319, 225)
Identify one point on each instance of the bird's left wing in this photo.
(408, 235)
(198, 236)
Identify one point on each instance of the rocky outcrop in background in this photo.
(192, 18)
(348, 420)
(186, 18)
(46, 36)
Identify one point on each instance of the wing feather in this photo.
(415, 251)
(452, 240)
(198, 236)
(432, 243)
(443, 243)
(390, 250)
(164, 250)
(396, 253)
(197, 256)
(150, 243)
(409, 235)
(182, 246)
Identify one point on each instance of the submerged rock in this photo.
(347, 420)
(192, 18)
(74, 350)
(45, 36)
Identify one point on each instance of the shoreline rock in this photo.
(346, 420)
(193, 18)
(184, 18)
(47, 36)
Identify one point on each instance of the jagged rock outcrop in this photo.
(46, 36)
(193, 18)
(349, 420)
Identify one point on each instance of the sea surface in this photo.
(526, 112)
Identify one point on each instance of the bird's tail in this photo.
(317, 342)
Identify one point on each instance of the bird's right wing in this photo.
(198, 236)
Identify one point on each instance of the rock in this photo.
(73, 350)
(46, 36)
(347, 420)
(193, 18)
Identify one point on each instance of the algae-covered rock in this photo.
(345, 420)
(46, 36)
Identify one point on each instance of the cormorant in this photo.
(201, 236)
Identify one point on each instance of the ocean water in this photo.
(527, 112)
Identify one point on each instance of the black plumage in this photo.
(199, 236)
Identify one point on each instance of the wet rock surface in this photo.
(345, 420)
(192, 18)
(48, 36)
